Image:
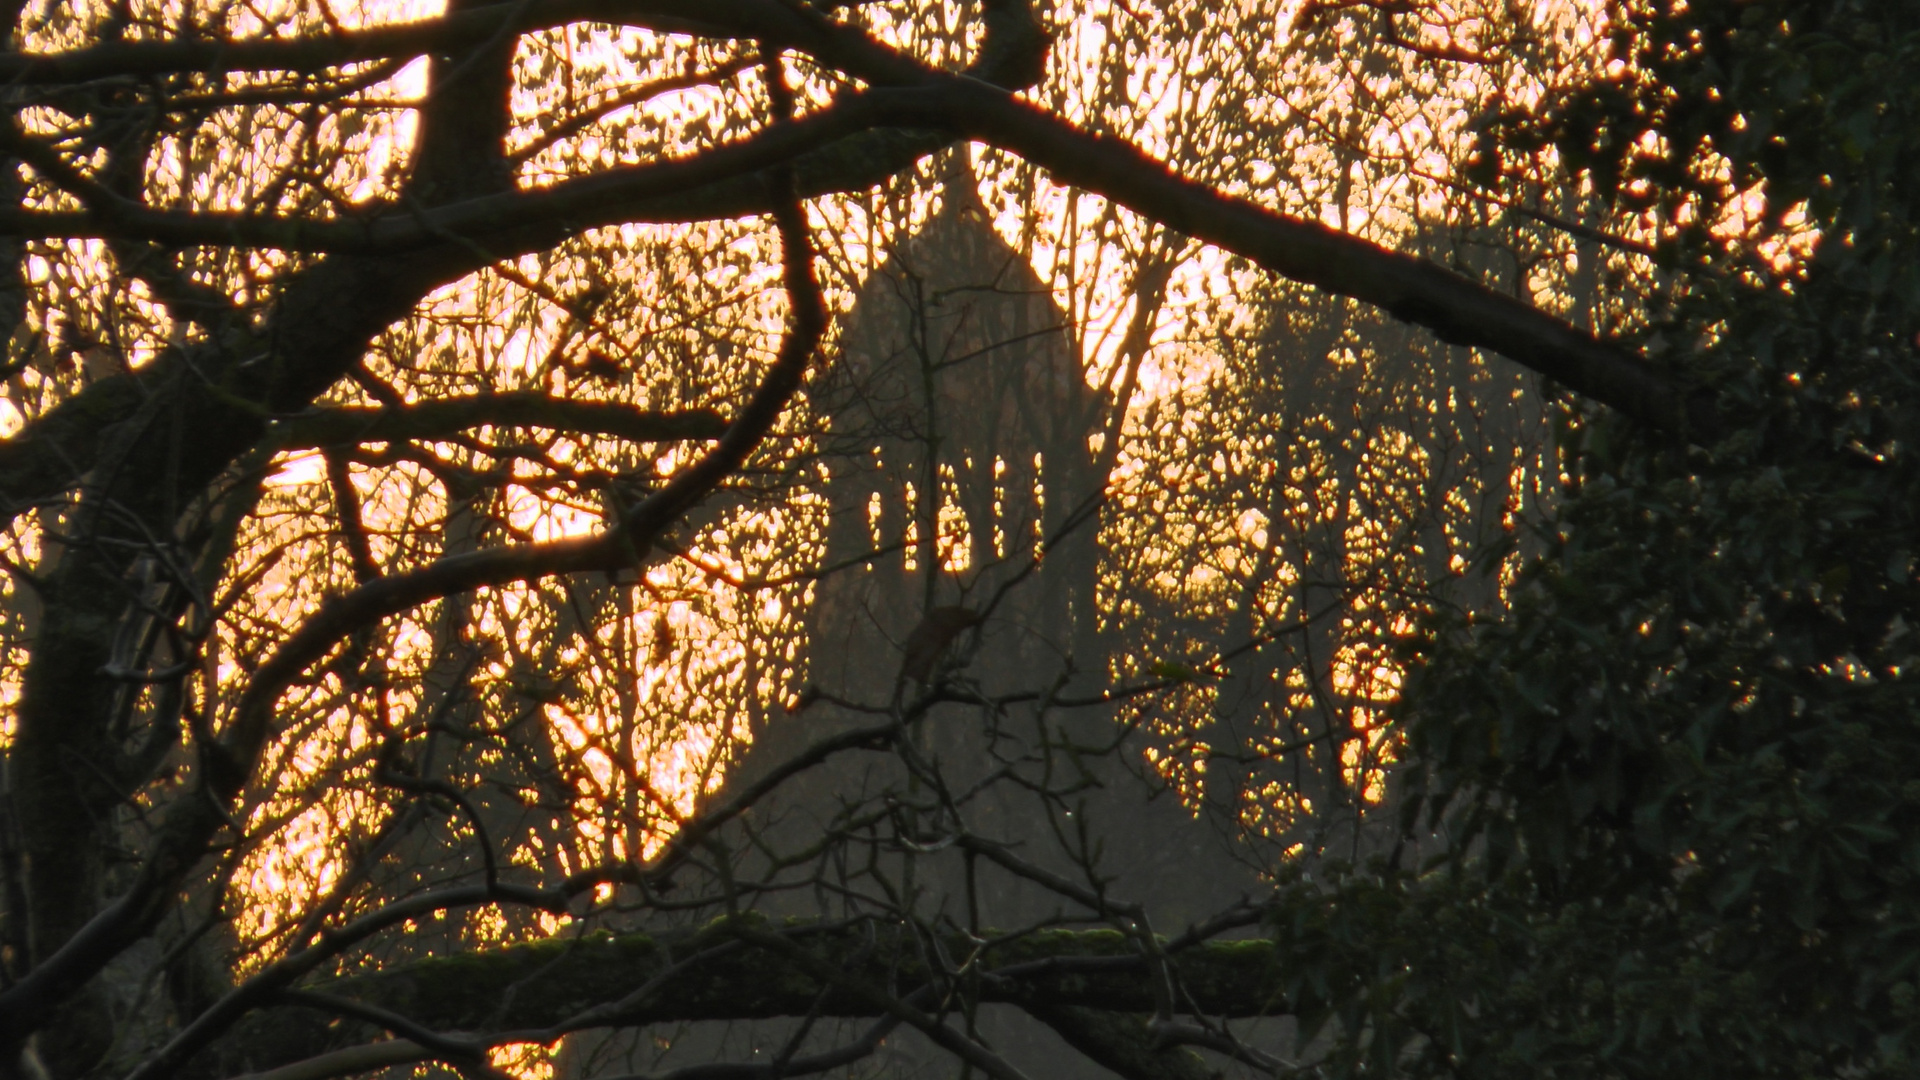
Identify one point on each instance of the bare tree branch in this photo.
(318, 52)
(1457, 309)
(1096, 970)
(228, 764)
(443, 417)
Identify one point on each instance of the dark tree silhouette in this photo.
(577, 536)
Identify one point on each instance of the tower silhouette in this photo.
(959, 424)
(959, 475)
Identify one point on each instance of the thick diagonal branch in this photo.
(1456, 308)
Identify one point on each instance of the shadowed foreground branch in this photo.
(538, 992)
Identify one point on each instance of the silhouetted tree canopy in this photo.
(753, 539)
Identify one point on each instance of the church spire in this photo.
(959, 184)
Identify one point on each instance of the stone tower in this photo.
(960, 375)
(959, 421)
